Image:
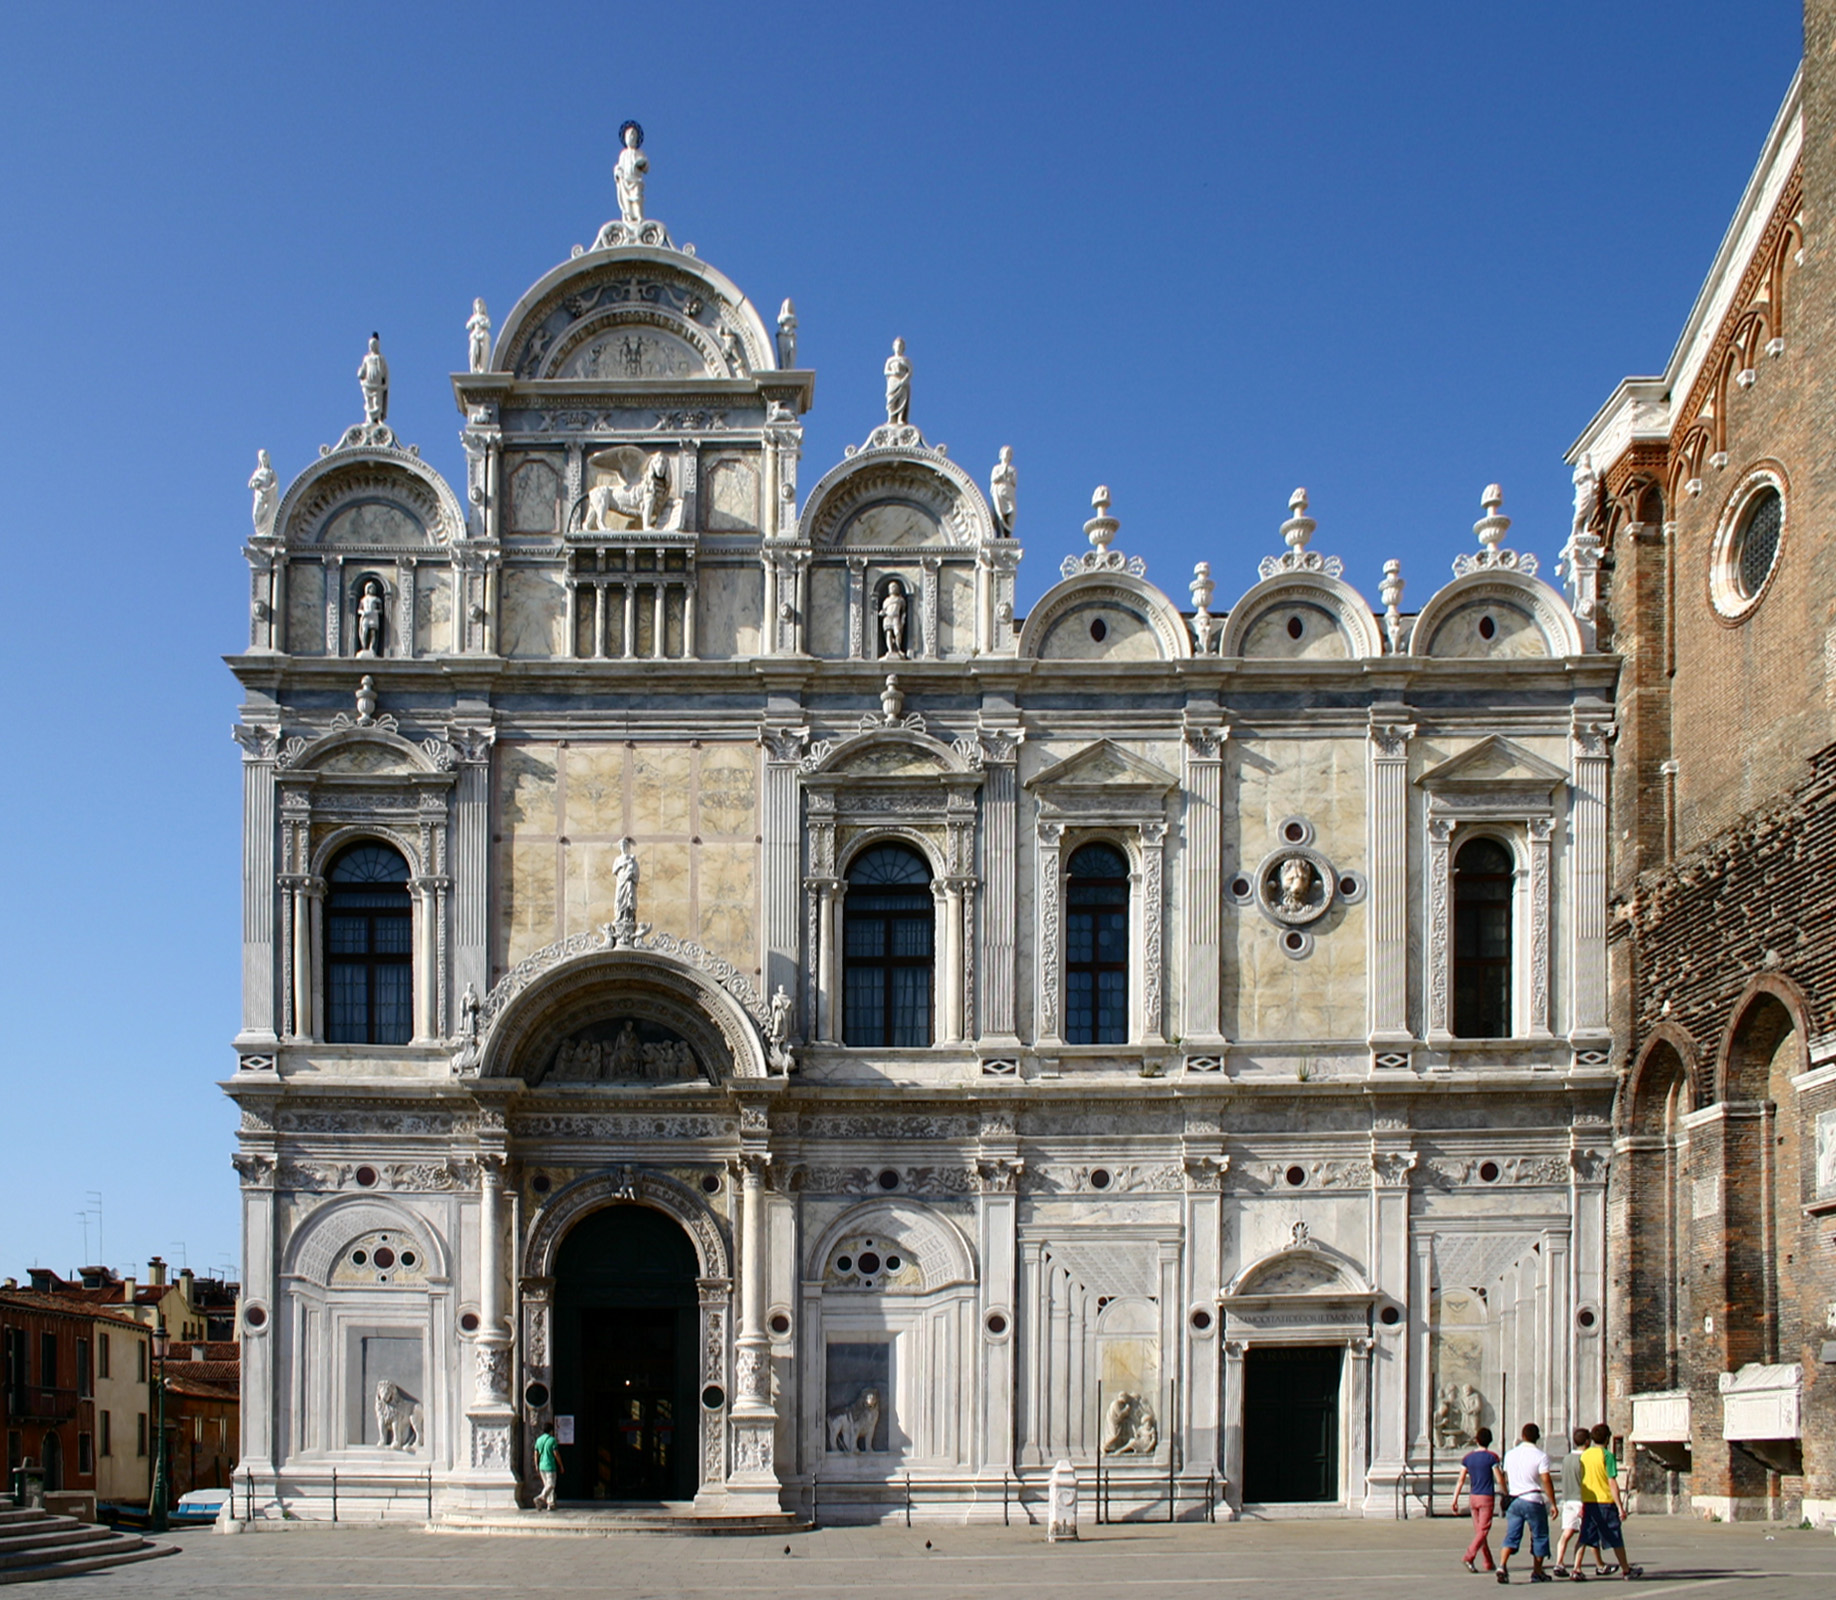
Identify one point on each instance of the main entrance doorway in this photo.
(625, 1348)
(1291, 1422)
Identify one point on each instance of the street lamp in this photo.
(156, 1505)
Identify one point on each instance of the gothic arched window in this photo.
(1096, 946)
(1484, 876)
(888, 935)
(369, 945)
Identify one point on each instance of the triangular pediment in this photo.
(1493, 763)
(1105, 767)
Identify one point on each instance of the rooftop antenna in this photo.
(83, 1217)
(184, 1256)
(95, 1196)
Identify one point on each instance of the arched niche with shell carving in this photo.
(367, 569)
(894, 535)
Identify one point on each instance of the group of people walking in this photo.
(1585, 1486)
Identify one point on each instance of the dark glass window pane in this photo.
(1096, 946)
(1483, 882)
(393, 936)
(348, 936)
(888, 940)
(394, 1005)
(369, 948)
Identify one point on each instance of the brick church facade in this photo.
(1712, 500)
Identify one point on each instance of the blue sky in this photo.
(1200, 253)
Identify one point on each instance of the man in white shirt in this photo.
(1526, 1471)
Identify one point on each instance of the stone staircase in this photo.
(667, 1517)
(37, 1544)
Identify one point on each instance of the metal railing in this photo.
(371, 1496)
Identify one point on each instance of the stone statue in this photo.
(892, 622)
(469, 1009)
(1471, 1407)
(373, 379)
(398, 1417)
(266, 487)
(787, 335)
(1447, 1419)
(1587, 493)
(629, 173)
(781, 1008)
(624, 891)
(478, 327)
(1296, 877)
(898, 386)
(1001, 484)
(645, 501)
(851, 1427)
(1130, 1426)
(370, 608)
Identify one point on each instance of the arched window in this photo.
(1483, 876)
(369, 945)
(888, 932)
(1096, 946)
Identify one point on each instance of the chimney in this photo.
(128, 1290)
(156, 1272)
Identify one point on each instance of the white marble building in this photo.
(716, 975)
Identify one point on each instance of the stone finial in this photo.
(366, 701)
(1204, 625)
(1491, 528)
(787, 335)
(1102, 528)
(1390, 592)
(892, 699)
(1298, 529)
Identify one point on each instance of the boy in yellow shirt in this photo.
(1601, 1508)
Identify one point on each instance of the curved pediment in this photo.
(1299, 1270)
(896, 499)
(893, 752)
(369, 500)
(359, 751)
(1497, 614)
(634, 314)
(1106, 616)
(931, 1251)
(1301, 616)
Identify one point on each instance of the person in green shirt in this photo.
(548, 1463)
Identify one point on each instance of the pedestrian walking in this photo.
(1478, 1477)
(1568, 1493)
(1526, 1471)
(1601, 1507)
(548, 1463)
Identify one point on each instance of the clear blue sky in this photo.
(1201, 253)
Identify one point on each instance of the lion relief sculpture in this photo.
(398, 1417)
(852, 1427)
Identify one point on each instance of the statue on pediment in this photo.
(478, 330)
(898, 386)
(625, 890)
(629, 173)
(266, 487)
(1003, 482)
(373, 379)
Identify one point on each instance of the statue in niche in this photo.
(370, 607)
(398, 1417)
(469, 1008)
(1295, 875)
(478, 331)
(892, 622)
(1130, 1426)
(624, 893)
(1447, 1420)
(625, 1059)
(851, 1427)
(373, 379)
(1472, 1405)
(629, 173)
(787, 335)
(1587, 493)
(1002, 483)
(266, 488)
(898, 386)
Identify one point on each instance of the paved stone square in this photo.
(1414, 1560)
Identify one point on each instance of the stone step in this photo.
(15, 1542)
(121, 1550)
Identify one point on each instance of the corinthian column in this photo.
(752, 1373)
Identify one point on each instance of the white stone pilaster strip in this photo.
(1387, 844)
(1000, 876)
(933, 570)
(857, 607)
(259, 748)
(781, 825)
(1202, 848)
(1153, 932)
(1047, 960)
(1591, 740)
(471, 827)
(951, 898)
(404, 607)
(1439, 916)
(1536, 1021)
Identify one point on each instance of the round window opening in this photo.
(469, 1322)
(360, 1258)
(844, 1263)
(1295, 832)
(996, 1324)
(1488, 1171)
(713, 1397)
(541, 1183)
(1585, 1318)
(385, 1257)
(1099, 630)
(1389, 1316)
(1488, 629)
(710, 1183)
(1296, 1176)
(889, 1179)
(779, 1324)
(1296, 627)
(366, 1177)
(1756, 542)
(536, 1396)
(1100, 1178)
(869, 1262)
(255, 1317)
(1201, 1320)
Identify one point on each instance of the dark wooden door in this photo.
(1291, 1423)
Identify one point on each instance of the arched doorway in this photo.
(625, 1356)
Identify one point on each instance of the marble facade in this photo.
(952, 1262)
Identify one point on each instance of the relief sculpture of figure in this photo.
(1296, 874)
(266, 487)
(892, 622)
(898, 386)
(644, 500)
(1130, 1426)
(478, 328)
(1447, 1419)
(1471, 1405)
(1002, 484)
(373, 379)
(370, 619)
(629, 173)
